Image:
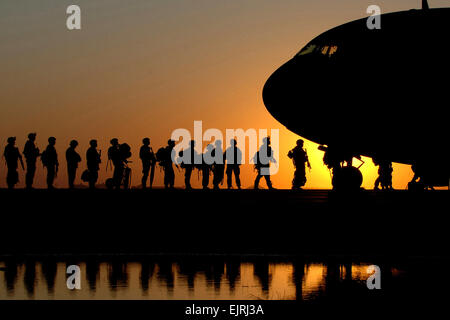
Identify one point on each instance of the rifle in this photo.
(307, 160)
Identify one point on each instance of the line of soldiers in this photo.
(214, 161)
(49, 158)
(219, 162)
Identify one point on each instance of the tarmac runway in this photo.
(179, 222)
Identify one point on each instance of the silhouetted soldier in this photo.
(148, 162)
(49, 159)
(114, 155)
(31, 153)
(218, 166)
(300, 158)
(421, 178)
(188, 162)
(93, 159)
(332, 158)
(207, 165)
(164, 157)
(233, 157)
(262, 160)
(384, 174)
(12, 157)
(72, 158)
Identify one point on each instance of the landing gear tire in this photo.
(347, 179)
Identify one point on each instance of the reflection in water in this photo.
(165, 275)
(49, 269)
(147, 269)
(10, 275)
(92, 273)
(117, 275)
(29, 278)
(197, 278)
(232, 274)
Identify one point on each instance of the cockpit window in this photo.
(307, 50)
(332, 50)
(325, 50)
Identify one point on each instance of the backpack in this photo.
(44, 157)
(125, 150)
(85, 176)
(161, 154)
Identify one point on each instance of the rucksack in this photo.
(85, 176)
(125, 150)
(161, 154)
(44, 157)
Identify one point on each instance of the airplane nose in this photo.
(275, 90)
(282, 93)
(296, 96)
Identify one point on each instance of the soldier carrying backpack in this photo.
(31, 153)
(49, 159)
(164, 158)
(148, 162)
(12, 157)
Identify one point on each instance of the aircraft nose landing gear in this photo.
(345, 178)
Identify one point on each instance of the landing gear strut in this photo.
(345, 178)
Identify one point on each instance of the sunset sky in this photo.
(141, 68)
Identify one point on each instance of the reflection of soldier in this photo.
(73, 158)
(384, 174)
(115, 157)
(148, 162)
(233, 157)
(164, 157)
(93, 159)
(49, 159)
(262, 160)
(188, 158)
(31, 153)
(218, 166)
(300, 158)
(207, 165)
(12, 157)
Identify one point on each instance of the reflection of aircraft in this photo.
(379, 93)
